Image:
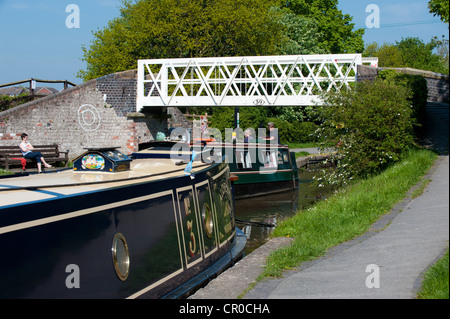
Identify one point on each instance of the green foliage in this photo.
(291, 114)
(302, 34)
(440, 8)
(294, 132)
(289, 131)
(416, 84)
(442, 50)
(371, 126)
(222, 118)
(418, 55)
(182, 28)
(253, 117)
(5, 172)
(249, 117)
(336, 32)
(7, 102)
(154, 29)
(411, 52)
(388, 54)
(436, 281)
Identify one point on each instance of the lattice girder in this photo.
(243, 81)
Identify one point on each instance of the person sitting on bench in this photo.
(27, 152)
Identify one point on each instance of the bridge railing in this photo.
(244, 81)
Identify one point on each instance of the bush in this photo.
(8, 102)
(303, 132)
(418, 86)
(4, 172)
(290, 121)
(371, 127)
(295, 132)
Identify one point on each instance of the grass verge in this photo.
(347, 214)
(436, 282)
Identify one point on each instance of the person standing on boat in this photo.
(27, 152)
(273, 134)
(248, 136)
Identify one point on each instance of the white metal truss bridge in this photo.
(294, 80)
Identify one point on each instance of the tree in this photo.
(388, 54)
(411, 52)
(442, 50)
(302, 34)
(200, 28)
(182, 28)
(440, 8)
(335, 30)
(418, 55)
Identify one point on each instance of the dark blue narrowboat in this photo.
(117, 226)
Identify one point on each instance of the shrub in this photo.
(8, 102)
(294, 132)
(249, 117)
(418, 86)
(371, 127)
(302, 132)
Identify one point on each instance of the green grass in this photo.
(347, 214)
(301, 154)
(436, 279)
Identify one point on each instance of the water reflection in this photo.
(271, 209)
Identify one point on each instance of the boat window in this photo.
(283, 158)
(207, 220)
(121, 257)
(280, 158)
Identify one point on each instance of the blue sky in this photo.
(35, 41)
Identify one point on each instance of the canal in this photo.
(258, 216)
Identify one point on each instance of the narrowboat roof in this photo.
(249, 144)
(34, 187)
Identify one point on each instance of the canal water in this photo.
(255, 216)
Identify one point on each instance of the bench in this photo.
(12, 155)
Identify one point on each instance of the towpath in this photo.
(387, 262)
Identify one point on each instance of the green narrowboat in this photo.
(261, 168)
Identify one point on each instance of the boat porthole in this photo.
(121, 257)
(207, 220)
